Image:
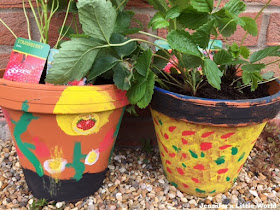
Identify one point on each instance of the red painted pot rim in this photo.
(216, 112)
(44, 98)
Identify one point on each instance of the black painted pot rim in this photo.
(266, 99)
(218, 112)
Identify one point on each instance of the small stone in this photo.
(207, 201)
(112, 188)
(112, 207)
(185, 200)
(171, 195)
(234, 199)
(59, 204)
(179, 194)
(254, 193)
(119, 196)
(263, 197)
(260, 187)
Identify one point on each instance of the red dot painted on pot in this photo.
(162, 154)
(172, 128)
(180, 171)
(184, 141)
(222, 171)
(195, 180)
(207, 134)
(156, 122)
(164, 147)
(185, 185)
(184, 155)
(205, 146)
(166, 136)
(225, 146)
(199, 167)
(168, 162)
(188, 133)
(172, 155)
(227, 135)
(169, 170)
(240, 168)
(253, 142)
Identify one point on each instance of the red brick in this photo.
(17, 22)
(273, 33)
(144, 19)
(4, 58)
(138, 4)
(13, 4)
(273, 2)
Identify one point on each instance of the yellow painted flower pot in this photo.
(204, 143)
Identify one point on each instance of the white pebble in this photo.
(59, 204)
(254, 193)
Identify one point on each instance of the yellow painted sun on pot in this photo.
(92, 157)
(55, 166)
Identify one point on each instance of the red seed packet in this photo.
(27, 61)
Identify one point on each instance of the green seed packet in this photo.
(27, 61)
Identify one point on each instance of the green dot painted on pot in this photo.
(213, 191)
(241, 157)
(234, 180)
(227, 179)
(194, 155)
(164, 173)
(199, 190)
(174, 184)
(25, 106)
(160, 122)
(175, 148)
(220, 160)
(184, 165)
(234, 150)
(202, 154)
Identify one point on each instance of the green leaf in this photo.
(235, 6)
(149, 91)
(158, 21)
(137, 90)
(98, 18)
(222, 57)
(261, 54)
(182, 42)
(238, 62)
(122, 76)
(213, 73)
(251, 78)
(190, 61)
(67, 31)
(192, 19)
(102, 65)
(120, 4)
(143, 62)
(268, 75)
(74, 60)
(253, 67)
(123, 21)
(173, 13)
(202, 35)
(203, 5)
(250, 25)
(245, 52)
(124, 50)
(227, 26)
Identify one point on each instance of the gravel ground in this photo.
(136, 181)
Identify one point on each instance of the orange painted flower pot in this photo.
(204, 142)
(64, 135)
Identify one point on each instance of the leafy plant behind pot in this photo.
(205, 20)
(104, 51)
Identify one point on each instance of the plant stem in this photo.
(152, 35)
(217, 7)
(273, 62)
(121, 4)
(263, 82)
(27, 20)
(259, 13)
(64, 22)
(7, 27)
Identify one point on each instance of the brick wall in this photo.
(139, 128)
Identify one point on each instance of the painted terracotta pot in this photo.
(64, 135)
(204, 142)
